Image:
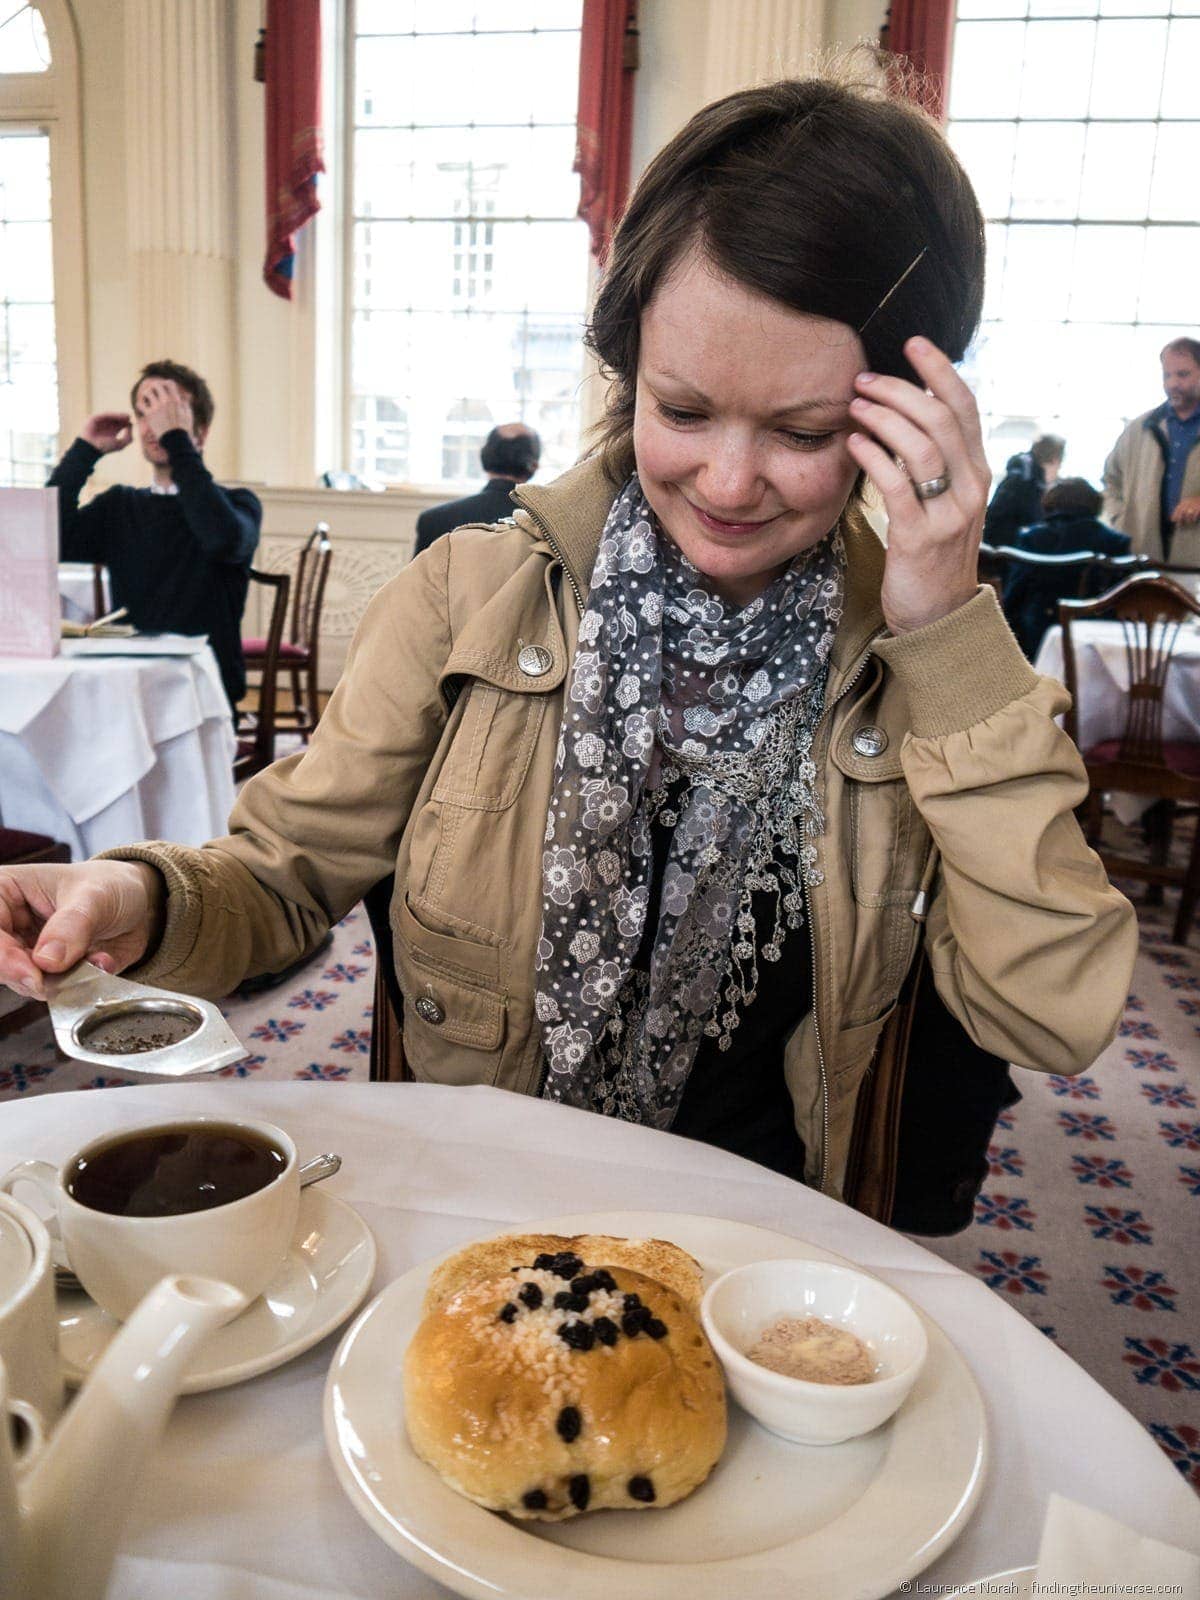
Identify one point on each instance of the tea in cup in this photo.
(212, 1196)
(28, 1321)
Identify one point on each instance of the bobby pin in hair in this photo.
(910, 268)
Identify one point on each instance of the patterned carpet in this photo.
(1089, 1221)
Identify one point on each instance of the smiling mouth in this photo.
(720, 525)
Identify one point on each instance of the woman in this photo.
(669, 766)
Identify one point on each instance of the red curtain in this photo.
(922, 31)
(607, 62)
(293, 107)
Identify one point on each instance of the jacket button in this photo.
(870, 741)
(429, 1011)
(535, 660)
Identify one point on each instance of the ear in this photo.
(200, 434)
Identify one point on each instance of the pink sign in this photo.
(30, 610)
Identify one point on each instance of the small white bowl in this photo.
(739, 1305)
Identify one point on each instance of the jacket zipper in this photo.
(812, 945)
(554, 545)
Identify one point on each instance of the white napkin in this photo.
(1084, 1547)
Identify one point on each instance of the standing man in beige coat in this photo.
(1152, 477)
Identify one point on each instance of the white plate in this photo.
(777, 1521)
(325, 1278)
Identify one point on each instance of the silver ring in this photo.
(932, 487)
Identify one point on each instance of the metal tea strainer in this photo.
(112, 1022)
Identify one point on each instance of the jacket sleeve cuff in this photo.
(185, 897)
(959, 670)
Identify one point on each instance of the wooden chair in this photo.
(1150, 610)
(298, 654)
(386, 1063)
(98, 604)
(256, 740)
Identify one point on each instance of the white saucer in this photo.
(328, 1271)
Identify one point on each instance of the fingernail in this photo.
(866, 377)
(919, 342)
(855, 438)
(52, 950)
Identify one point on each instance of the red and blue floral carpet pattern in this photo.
(1089, 1223)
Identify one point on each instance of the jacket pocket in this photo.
(889, 843)
(492, 748)
(455, 1008)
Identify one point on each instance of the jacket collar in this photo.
(574, 508)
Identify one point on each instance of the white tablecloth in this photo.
(77, 591)
(242, 1503)
(1103, 673)
(104, 750)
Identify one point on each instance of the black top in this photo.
(1031, 594)
(491, 504)
(1017, 501)
(737, 1099)
(179, 563)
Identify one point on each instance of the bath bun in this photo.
(611, 1399)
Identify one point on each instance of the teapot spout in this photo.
(78, 1491)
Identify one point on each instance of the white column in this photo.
(180, 141)
(756, 41)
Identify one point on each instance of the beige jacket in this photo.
(435, 758)
(1133, 477)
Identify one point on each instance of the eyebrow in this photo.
(820, 403)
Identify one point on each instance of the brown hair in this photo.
(1190, 347)
(818, 194)
(1073, 494)
(1048, 447)
(192, 384)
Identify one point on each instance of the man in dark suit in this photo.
(510, 455)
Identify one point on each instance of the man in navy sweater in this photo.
(178, 553)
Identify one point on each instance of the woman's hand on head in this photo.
(52, 917)
(933, 545)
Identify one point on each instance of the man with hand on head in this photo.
(178, 553)
(1152, 477)
(510, 455)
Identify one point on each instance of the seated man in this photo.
(1017, 501)
(178, 553)
(510, 455)
(1072, 524)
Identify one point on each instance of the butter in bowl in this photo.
(860, 1345)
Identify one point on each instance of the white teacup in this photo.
(28, 1323)
(113, 1203)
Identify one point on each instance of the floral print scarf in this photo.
(688, 713)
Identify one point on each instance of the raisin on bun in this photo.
(558, 1387)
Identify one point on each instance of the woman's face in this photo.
(740, 425)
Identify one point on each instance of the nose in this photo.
(730, 481)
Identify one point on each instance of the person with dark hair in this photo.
(1072, 525)
(1152, 477)
(509, 456)
(1017, 502)
(178, 553)
(671, 768)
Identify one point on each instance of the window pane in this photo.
(997, 250)
(1058, 58)
(1116, 171)
(1046, 170)
(1062, 8)
(1037, 273)
(1108, 274)
(1132, 8)
(424, 172)
(467, 78)
(986, 150)
(1185, 8)
(1175, 193)
(1168, 291)
(449, 16)
(28, 381)
(990, 8)
(986, 78)
(1179, 78)
(24, 46)
(419, 265)
(1127, 76)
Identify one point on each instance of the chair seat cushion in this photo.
(15, 843)
(1179, 755)
(245, 747)
(256, 649)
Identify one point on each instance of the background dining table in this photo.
(98, 749)
(241, 1501)
(77, 590)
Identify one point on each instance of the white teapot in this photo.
(65, 1488)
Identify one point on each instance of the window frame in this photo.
(49, 102)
